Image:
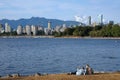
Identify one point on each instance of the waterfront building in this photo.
(32, 27)
(63, 28)
(40, 28)
(34, 30)
(57, 28)
(60, 28)
(24, 30)
(64, 25)
(47, 31)
(28, 30)
(7, 27)
(19, 30)
(49, 25)
(1, 28)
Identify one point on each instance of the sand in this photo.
(98, 76)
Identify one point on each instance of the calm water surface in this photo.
(31, 55)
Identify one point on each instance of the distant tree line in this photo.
(108, 30)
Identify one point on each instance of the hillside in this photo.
(37, 21)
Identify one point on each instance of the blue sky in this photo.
(60, 9)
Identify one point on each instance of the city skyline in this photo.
(64, 9)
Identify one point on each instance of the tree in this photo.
(106, 31)
(98, 27)
(69, 31)
(57, 34)
(116, 31)
(76, 32)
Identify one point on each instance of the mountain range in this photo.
(37, 21)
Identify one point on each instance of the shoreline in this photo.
(26, 36)
(65, 76)
(42, 74)
(72, 37)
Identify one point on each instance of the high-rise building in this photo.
(57, 28)
(101, 19)
(63, 28)
(89, 20)
(7, 28)
(19, 30)
(32, 27)
(48, 31)
(24, 30)
(49, 25)
(28, 30)
(1, 28)
(40, 28)
(34, 30)
(64, 25)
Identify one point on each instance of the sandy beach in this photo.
(96, 76)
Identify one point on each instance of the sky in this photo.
(60, 9)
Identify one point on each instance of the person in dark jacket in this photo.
(88, 70)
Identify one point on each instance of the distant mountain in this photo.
(37, 21)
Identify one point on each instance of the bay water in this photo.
(57, 55)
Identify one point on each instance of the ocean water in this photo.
(57, 55)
